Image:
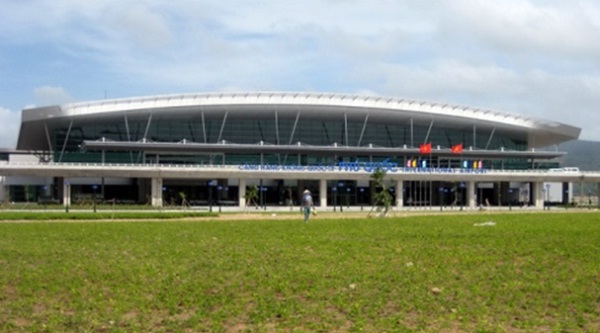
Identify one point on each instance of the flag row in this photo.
(423, 163)
(426, 148)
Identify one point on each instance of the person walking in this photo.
(307, 204)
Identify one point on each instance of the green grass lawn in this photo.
(100, 215)
(528, 273)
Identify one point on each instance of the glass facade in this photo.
(275, 128)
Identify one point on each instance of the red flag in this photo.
(457, 149)
(425, 148)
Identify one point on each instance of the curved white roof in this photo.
(540, 133)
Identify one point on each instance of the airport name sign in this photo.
(391, 167)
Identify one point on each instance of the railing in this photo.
(402, 170)
(123, 165)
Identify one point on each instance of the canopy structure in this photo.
(39, 124)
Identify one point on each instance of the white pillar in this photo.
(471, 195)
(3, 189)
(538, 195)
(242, 193)
(399, 194)
(66, 192)
(323, 193)
(156, 190)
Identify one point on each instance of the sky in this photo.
(536, 58)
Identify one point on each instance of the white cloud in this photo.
(144, 26)
(528, 28)
(533, 57)
(48, 95)
(11, 122)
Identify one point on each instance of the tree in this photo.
(26, 191)
(184, 202)
(383, 198)
(251, 196)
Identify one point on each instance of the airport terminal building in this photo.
(210, 148)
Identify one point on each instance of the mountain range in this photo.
(582, 154)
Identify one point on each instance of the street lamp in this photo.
(334, 190)
(348, 189)
(480, 197)
(394, 194)
(260, 192)
(45, 198)
(548, 193)
(263, 197)
(219, 188)
(462, 190)
(499, 195)
(341, 185)
(362, 191)
(544, 197)
(446, 191)
(211, 184)
(94, 187)
(164, 198)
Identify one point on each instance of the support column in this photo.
(399, 194)
(2, 189)
(66, 192)
(242, 193)
(322, 193)
(471, 195)
(538, 194)
(156, 192)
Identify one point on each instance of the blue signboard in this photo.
(357, 166)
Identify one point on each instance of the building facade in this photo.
(282, 143)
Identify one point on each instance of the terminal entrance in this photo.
(338, 194)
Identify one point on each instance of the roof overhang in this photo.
(38, 123)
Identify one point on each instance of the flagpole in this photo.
(430, 182)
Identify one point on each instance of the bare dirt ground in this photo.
(329, 215)
(286, 216)
(252, 215)
(296, 215)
